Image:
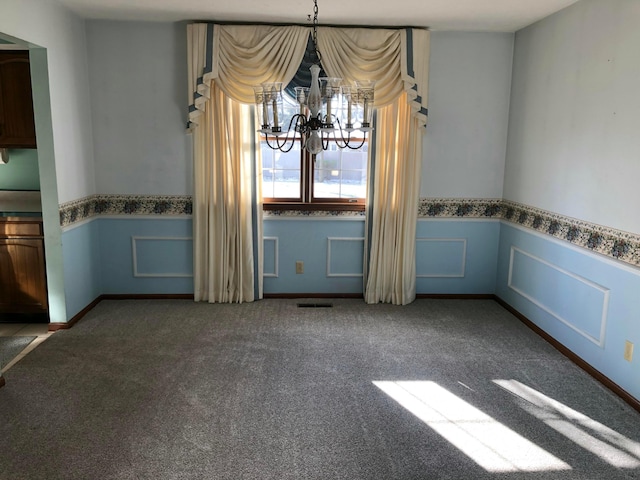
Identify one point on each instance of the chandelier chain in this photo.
(315, 30)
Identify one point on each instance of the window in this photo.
(335, 179)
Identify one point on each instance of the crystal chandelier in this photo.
(327, 108)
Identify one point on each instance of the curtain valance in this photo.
(238, 57)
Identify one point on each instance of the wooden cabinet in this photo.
(23, 284)
(17, 126)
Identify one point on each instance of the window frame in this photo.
(307, 201)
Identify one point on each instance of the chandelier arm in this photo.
(347, 141)
(283, 146)
(364, 139)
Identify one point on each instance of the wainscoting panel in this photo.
(441, 257)
(586, 301)
(546, 285)
(271, 259)
(345, 257)
(146, 255)
(160, 256)
(456, 256)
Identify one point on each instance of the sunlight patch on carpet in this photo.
(609, 445)
(490, 444)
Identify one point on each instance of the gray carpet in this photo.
(178, 390)
(10, 348)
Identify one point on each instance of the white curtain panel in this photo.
(393, 206)
(399, 61)
(222, 212)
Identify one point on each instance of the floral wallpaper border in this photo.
(623, 246)
(88, 207)
(610, 242)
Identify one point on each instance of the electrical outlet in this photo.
(299, 266)
(628, 351)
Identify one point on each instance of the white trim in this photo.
(341, 239)
(605, 291)
(133, 216)
(307, 218)
(134, 258)
(78, 224)
(459, 219)
(577, 248)
(464, 257)
(276, 259)
(124, 217)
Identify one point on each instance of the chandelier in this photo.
(328, 108)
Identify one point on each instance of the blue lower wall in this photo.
(332, 252)
(133, 255)
(82, 266)
(452, 256)
(586, 301)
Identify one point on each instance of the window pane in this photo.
(340, 173)
(280, 172)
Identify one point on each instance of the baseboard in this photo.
(446, 296)
(313, 295)
(147, 296)
(457, 296)
(587, 367)
(55, 326)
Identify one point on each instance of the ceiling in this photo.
(469, 15)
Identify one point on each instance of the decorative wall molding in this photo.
(137, 242)
(462, 259)
(276, 260)
(331, 240)
(538, 298)
(617, 244)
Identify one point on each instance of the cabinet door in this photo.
(17, 127)
(23, 287)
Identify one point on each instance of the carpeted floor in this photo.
(178, 390)
(10, 347)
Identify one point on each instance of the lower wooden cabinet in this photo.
(23, 283)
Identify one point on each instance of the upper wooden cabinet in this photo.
(17, 127)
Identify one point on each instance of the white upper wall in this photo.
(138, 76)
(62, 33)
(574, 131)
(137, 72)
(465, 143)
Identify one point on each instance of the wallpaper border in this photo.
(96, 205)
(617, 244)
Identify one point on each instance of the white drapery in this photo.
(237, 57)
(393, 206)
